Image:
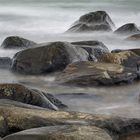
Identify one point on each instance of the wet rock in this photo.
(125, 58)
(25, 95)
(3, 127)
(95, 48)
(16, 42)
(95, 73)
(93, 21)
(64, 132)
(128, 29)
(5, 62)
(18, 119)
(49, 58)
(135, 37)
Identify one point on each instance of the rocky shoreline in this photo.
(27, 113)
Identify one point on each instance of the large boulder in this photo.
(96, 73)
(128, 29)
(125, 58)
(25, 95)
(48, 58)
(64, 132)
(93, 21)
(95, 48)
(5, 62)
(18, 119)
(16, 42)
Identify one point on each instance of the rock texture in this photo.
(5, 62)
(93, 21)
(95, 48)
(128, 29)
(96, 73)
(16, 42)
(49, 58)
(64, 132)
(125, 58)
(25, 95)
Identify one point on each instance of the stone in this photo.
(93, 21)
(63, 132)
(96, 74)
(25, 95)
(16, 42)
(5, 62)
(128, 29)
(95, 48)
(49, 58)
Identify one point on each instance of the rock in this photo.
(16, 42)
(64, 132)
(49, 58)
(95, 48)
(25, 95)
(3, 127)
(135, 37)
(125, 58)
(128, 29)
(18, 119)
(5, 62)
(93, 21)
(96, 73)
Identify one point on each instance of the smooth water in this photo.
(47, 20)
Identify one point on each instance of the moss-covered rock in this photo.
(93, 21)
(48, 58)
(16, 42)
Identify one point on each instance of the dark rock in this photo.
(95, 74)
(135, 37)
(16, 42)
(128, 29)
(64, 132)
(125, 58)
(95, 48)
(5, 62)
(25, 95)
(49, 58)
(93, 21)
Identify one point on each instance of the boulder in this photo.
(52, 57)
(95, 48)
(135, 37)
(5, 62)
(128, 29)
(25, 95)
(125, 58)
(64, 132)
(93, 21)
(18, 119)
(96, 73)
(16, 42)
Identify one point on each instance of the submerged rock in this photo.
(135, 37)
(16, 42)
(96, 73)
(49, 58)
(5, 62)
(128, 29)
(63, 132)
(125, 58)
(95, 48)
(25, 95)
(93, 21)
